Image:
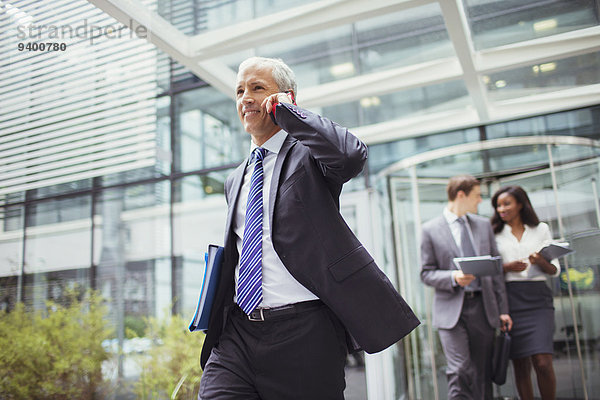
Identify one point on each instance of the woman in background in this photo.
(520, 236)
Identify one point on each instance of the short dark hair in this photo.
(466, 183)
(528, 215)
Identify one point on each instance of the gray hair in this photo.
(282, 74)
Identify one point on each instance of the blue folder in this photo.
(212, 271)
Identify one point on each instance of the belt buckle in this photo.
(257, 315)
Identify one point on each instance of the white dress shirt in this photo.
(278, 285)
(511, 249)
(455, 228)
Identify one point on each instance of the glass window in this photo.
(11, 254)
(55, 211)
(58, 235)
(408, 37)
(384, 154)
(11, 218)
(132, 252)
(545, 77)
(193, 17)
(346, 114)
(208, 132)
(500, 22)
(417, 101)
(64, 188)
(199, 216)
(58, 248)
(43, 286)
(317, 57)
(576, 123)
(411, 36)
(517, 158)
(163, 134)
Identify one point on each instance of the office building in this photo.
(115, 144)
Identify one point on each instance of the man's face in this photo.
(472, 200)
(254, 84)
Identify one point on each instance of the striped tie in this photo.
(249, 290)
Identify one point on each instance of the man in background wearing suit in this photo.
(296, 285)
(466, 309)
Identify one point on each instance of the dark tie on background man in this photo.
(468, 250)
(466, 244)
(249, 287)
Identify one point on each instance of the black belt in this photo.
(470, 294)
(261, 314)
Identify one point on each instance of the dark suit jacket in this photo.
(312, 239)
(438, 249)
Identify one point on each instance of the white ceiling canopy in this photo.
(478, 69)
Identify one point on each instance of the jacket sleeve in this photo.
(431, 273)
(340, 155)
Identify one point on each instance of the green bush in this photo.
(54, 354)
(171, 368)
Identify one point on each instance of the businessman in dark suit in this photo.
(297, 290)
(466, 309)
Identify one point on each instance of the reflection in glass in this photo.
(58, 235)
(390, 41)
(545, 77)
(132, 254)
(58, 250)
(408, 37)
(411, 102)
(199, 215)
(417, 101)
(382, 155)
(500, 22)
(11, 255)
(518, 158)
(572, 123)
(208, 131)
(163, 134)
(63, 188)
(193, 17)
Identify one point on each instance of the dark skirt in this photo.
(532, 311)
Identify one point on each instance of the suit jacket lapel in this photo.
(448, 238)
(285, 148)
(234, 193)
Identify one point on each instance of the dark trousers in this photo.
(468, 350)
(299, 356)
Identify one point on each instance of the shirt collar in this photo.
(508, 229)
(450, 216)
(273, 145)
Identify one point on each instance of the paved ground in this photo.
(356, 384)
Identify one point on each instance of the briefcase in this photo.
(500, 358)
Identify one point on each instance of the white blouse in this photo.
(512, 249)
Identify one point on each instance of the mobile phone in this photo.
(291, 94)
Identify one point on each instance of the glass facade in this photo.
(498, 23)
(113, 176)
(560, 179)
